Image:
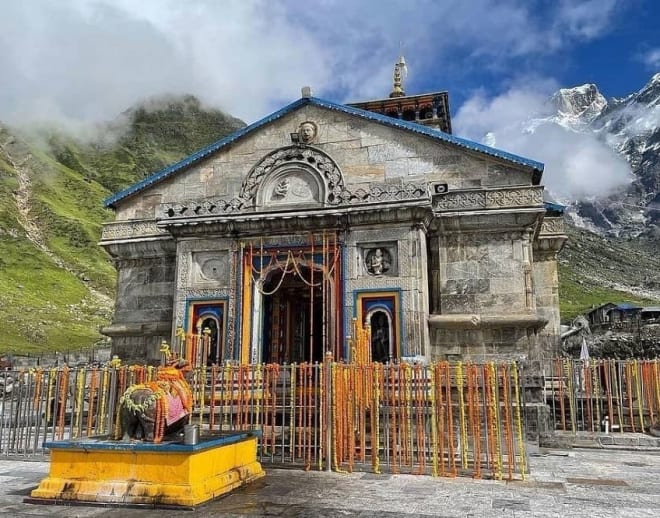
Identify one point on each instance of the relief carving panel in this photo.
(490, 199)
(127, 230)
(210, 266)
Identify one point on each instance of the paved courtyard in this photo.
(589, 483)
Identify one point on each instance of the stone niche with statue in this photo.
(277, 237)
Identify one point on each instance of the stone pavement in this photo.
(578, 483)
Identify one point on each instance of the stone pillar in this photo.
(546, 279)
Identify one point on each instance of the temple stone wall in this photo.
(479, 279)
(204, 272)
(481, 344)
(144, 302)
(481, 273)
(365, 152)
(546, 283)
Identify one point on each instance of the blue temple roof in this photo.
(383, 119)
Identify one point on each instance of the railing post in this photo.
(327, 365)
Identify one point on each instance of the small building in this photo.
(624, 312)
(649, 313)
(277, 238)
(599, 315)
(611, 313)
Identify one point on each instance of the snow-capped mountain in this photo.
(578, 107)
(631, 127)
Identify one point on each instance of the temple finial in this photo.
(400, 72)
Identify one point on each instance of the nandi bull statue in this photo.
(150, 411)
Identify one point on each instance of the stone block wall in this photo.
(144, 302)
(480, 273)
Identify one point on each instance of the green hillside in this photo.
(57, 285)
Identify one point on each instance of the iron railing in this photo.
(444, 419)
(598, 395)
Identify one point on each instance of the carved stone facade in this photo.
(281, 246)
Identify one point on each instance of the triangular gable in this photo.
(168, 171)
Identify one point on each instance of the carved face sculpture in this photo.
(307, 132)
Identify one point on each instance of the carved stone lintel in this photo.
(489, 199)
(141, 262)
(131, 229)
(376, 194)
(552, 226)
(300, 221)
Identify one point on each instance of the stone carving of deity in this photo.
(378, 261)
(293, 189)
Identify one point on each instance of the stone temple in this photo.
(284, 238)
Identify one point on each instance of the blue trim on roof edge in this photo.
(549, 205)
(384, 119)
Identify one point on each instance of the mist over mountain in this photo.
(631, 128)
(57, 284)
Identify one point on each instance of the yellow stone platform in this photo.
(166, 474)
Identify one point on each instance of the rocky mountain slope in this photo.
(594, 269)
(56, 283)
(630, 126)
(612, 254)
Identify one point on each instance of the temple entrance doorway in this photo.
(294, 327)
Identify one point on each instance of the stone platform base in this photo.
(167, 474)
(613, 441)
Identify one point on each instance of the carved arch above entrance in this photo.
(293, 176)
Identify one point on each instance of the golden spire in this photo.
(400, 72)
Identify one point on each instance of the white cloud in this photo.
(585, 19)
(652, 58)
(577, 165)
(90, 59)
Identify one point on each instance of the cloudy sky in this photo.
(88, 60)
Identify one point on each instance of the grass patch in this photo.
(578, 295)
(43, 307)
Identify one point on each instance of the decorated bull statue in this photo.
(150, 411)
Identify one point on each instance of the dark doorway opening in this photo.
(380, 337)
(294, 328)
(215, 349)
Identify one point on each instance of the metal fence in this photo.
(441, 419)
(603, 395)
